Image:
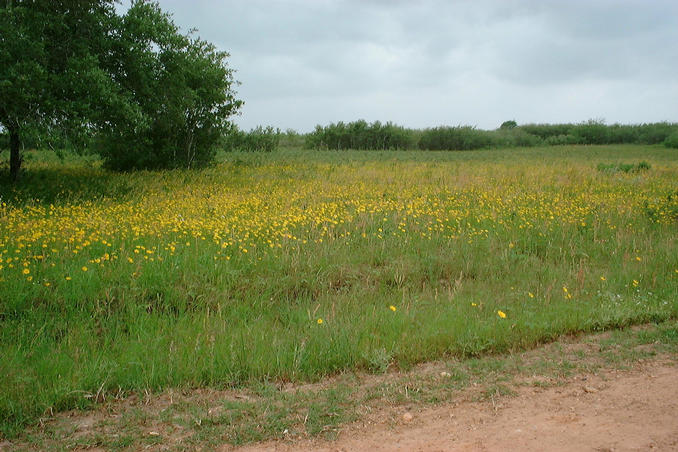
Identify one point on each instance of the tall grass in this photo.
(296, 265)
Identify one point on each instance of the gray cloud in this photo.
(304, 62)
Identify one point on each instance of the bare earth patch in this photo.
(611, 411)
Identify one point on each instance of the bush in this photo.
(180, 92)
(560, 140)
(596, 132)
(545, 131)
(458, 138)
(671, 141)
(655, 133)
(291, 139)
(591, 132)
(361, 136)
(259, 139)
(513, 138)
(618, 134)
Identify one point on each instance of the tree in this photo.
(508, 125)
(151, 96)
(51, 79)
(182, 88)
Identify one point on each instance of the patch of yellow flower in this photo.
(282, 208)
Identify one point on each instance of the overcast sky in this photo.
(428, 63)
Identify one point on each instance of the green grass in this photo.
(624, 167)
(447, 238)
(267, 411)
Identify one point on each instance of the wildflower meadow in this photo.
(298, 264)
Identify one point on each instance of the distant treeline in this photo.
(378, 136)
(259, 139)
(361, 135)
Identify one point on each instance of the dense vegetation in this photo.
(129, 87)
(295, 265)
(259, 139)
(361, 135)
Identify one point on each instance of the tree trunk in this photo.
(14, 154)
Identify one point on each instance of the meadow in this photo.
(295, 265)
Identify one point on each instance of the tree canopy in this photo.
(131, 86)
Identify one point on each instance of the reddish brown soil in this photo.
(611, 411)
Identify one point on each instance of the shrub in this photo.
(455, 138)
(591, 132)
(180, 91)
(259, 139)
(671, 141)
(515, 138)
(545, 131)
(655, 133)
(291, 139)
(361, 135)
(559, 140)
(618, 134)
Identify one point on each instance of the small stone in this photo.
(407, 417)
(445, 374)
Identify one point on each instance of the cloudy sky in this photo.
(433, 62)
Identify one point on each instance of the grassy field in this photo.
(295, 265)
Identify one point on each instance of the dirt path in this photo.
(611, 411)
(610, 391)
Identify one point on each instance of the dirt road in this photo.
(611, 411)
(609, 391)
